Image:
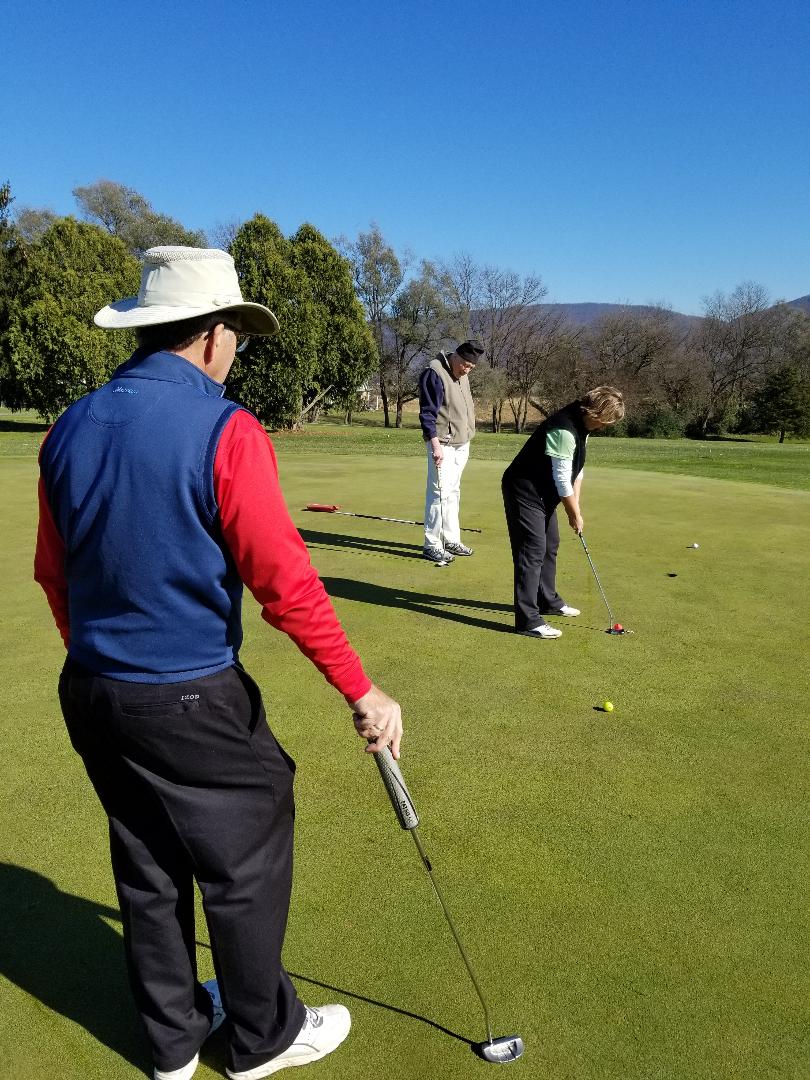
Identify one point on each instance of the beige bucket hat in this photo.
(182, 283)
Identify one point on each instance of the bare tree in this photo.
(730, 346)
(378, 275)
(535, 349)
(415, 329)
(223, 234)
(507, 313)
(629, 343)
(462, 284)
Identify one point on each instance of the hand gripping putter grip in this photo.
(501, 1050)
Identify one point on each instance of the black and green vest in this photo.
(530, 474)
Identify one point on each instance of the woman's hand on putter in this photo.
(378, 717)
(575, 521)
(571, 507)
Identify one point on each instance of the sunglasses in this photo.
(242, 340)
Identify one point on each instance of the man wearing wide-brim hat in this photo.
(159, 499)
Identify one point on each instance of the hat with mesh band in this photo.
(183, 283)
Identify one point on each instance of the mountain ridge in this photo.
(586, 313)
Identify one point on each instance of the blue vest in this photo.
(153, 592)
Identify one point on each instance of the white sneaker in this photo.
(566, 609)
(437, 555)
(185, 1073)
(188, 1070)
(457, 548)
(544, 631)
(324, 1029)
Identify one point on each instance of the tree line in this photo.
(56, 272)
(357, 315)
(743, 367)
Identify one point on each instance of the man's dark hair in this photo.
(167, 337)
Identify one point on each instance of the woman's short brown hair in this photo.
(604, 403)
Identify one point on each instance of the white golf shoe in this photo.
(437, 555)
(188, 1070)
(544, 631)
(566, 609)
(185, 1073)
(323, 1030)
(455, 547)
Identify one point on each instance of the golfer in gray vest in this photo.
(447, 418)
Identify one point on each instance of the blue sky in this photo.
(624, 151)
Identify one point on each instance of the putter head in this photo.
(618, 633)
(500, 1051)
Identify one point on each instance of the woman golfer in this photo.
(548, 471)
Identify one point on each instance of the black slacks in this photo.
(195, 787)
(534, 537)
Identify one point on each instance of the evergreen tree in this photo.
(346, 354)
(53, 352)
(378, 276)
(782, 404)
(271, 377)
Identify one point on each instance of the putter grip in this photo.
(397, 790)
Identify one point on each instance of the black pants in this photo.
(195, 787)
(534, 537)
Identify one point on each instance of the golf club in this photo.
(331, 508)
(614, 628)
(501, 1050)
(447, 559)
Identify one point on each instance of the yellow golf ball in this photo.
(608, 706)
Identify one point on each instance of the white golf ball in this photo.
(695, 545)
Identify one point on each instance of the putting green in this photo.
(631, 887)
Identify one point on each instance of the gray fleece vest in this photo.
(455, 423)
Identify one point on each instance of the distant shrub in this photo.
(616, 430)
(694, 429)
(655, 422)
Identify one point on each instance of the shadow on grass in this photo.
(369, 1001)
(21, 426)
(363, 543)
(724, 439)
(424, 603)
(383, 1005)
(57, 948)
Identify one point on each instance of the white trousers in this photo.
(443, 495)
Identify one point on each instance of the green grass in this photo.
(632, 887)
(755, 459)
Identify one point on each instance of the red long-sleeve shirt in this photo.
(269, 553)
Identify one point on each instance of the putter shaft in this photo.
(598, 582)
(426, 863)
(409, 819)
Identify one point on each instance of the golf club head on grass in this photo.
(500, 1051)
